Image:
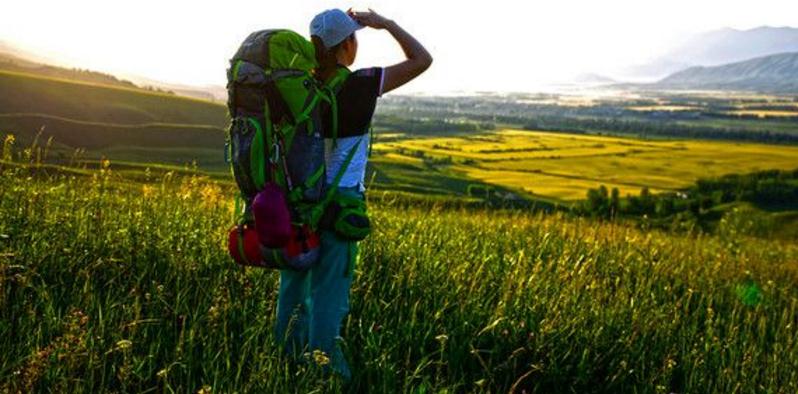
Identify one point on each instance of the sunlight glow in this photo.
(499, 45)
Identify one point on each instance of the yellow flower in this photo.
(321, 358)
(124, 344)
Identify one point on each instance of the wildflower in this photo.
(124, 344)
(320, 357)
(8, 145)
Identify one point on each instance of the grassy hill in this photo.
(10, 62)
(25, 93)
(112, 121)
(774, 73)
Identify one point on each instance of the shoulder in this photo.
(366, 80)
(370, 72)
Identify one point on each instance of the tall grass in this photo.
(113, 285)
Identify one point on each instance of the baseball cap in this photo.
(333, 26)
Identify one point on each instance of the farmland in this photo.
(563, 166)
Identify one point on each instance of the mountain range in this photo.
(774, 73)
(717, 47)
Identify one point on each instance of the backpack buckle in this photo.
(276, 155)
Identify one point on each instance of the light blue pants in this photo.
(312, 305)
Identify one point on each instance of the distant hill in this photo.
(719, 47)
(26, 93)
(593, 79)
(11, 62)
(774, 73)
(113, 121)
(208, 92)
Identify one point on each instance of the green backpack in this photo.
(274, 140)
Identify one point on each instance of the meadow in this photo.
(119, 284)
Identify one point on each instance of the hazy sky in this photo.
(477, 45)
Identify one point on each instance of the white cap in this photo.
(333, 26)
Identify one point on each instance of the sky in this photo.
(496, 45)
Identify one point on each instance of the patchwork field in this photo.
(565, 166)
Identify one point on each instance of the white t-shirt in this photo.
(335, 156)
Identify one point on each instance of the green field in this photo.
(113, 285)
(564, 166)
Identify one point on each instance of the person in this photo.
(312, 305)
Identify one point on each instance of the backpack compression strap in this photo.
(326, 93)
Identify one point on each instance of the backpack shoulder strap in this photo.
(344, 166)
(331, 87)
(336, 81)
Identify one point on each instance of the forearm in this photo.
(412, 48)
(418, 59)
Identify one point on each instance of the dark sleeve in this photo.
(357, 100)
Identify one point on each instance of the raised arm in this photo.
(417, 58)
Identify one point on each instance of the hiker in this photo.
(313, 304)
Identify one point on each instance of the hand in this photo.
(369, 18)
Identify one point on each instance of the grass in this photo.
(98, 135)
(112, 285)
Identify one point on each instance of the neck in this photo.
(325, 74)
(340, 57)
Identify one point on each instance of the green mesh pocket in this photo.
(351, 220)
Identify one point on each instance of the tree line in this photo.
(772, 189)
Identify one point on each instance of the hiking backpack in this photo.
(276, 150)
